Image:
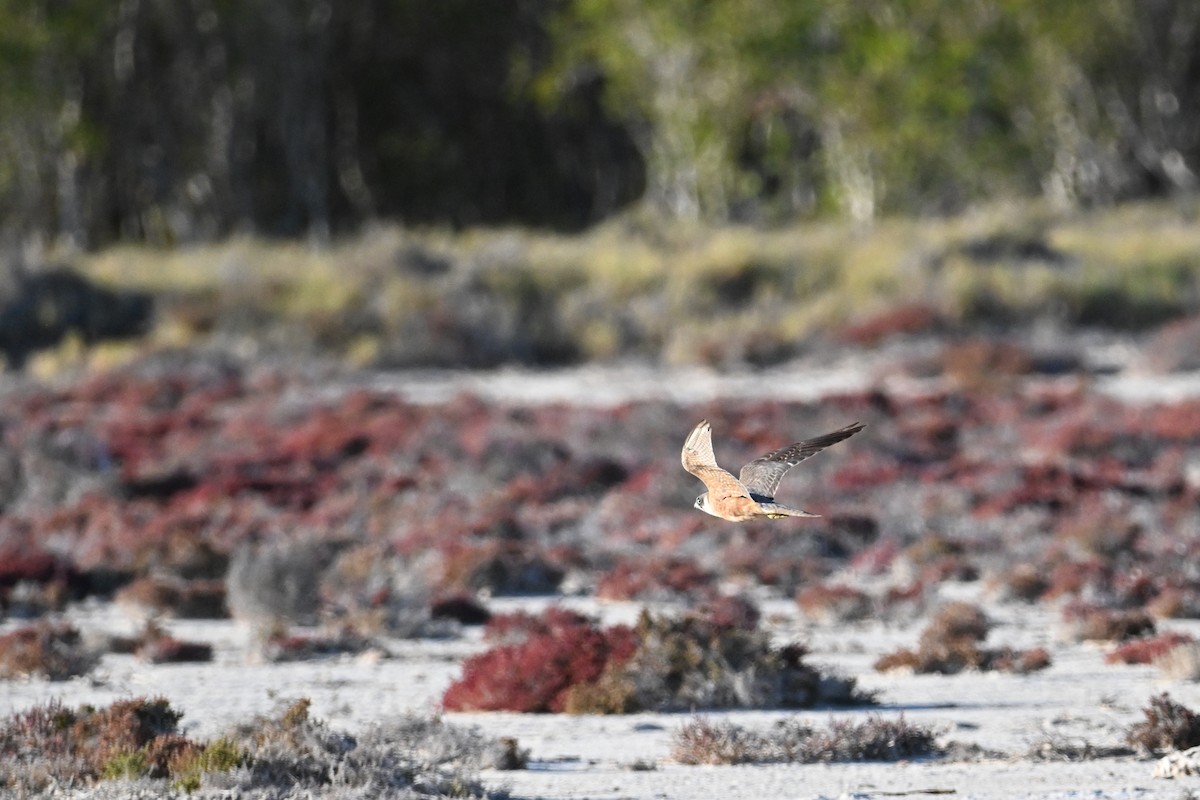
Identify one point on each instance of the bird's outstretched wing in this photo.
(762, 475)
(699, 460)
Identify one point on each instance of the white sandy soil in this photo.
(1079, 699)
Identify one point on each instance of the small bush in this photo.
(730, 612)
(793, 741)
(704, 742)
(1148, 650)
(658, 578)
(54, 651)
(157, 646)
(286, 753)
(412, 756)
(1087, 623)
(903, 319)
(835, 602)
(128, 739)
(195, 599)
(951, 643)
(127, 765)
(501, 567)
(219, 755)
(698, 662)
(535, 672)
(1167, 726)
(462, 608)
(279, 649)
(1024, 582)
(715, 657)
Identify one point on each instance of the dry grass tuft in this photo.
(1180, 663)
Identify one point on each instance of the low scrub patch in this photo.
(52, 743)
(1168, 725)
(952, 643)
(543, 660)
(794, 741)
(1149, 649)
(713, 658)
(53, 651)
(282, 754)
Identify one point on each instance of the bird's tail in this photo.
(778, 510)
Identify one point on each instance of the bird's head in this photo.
(702, 503)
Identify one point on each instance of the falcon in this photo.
(751, 495)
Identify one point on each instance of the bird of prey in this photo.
(751, 495)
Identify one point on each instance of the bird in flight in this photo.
(751, 495)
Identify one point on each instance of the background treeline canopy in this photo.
(179, 120)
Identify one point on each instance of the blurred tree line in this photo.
(174, 120)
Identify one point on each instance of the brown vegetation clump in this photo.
(282, 648)
(1147, 650)
(53, 650)
(696, 661)
(156, 596)
(714, 657)
(129, 739)
(793, 741)
(1024, 582)
(411, 756)
(835, 602)
(539, 663)
(500, 567)
(951, 643)
(1167, 726)
(461, 608)
(907, 319)
(32, 581)
(274, 755)
(155, 645)
(654, 578)
(1086, 623)
(984, 363)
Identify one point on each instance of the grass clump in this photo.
(218, 756)
(794, 741)
(126, 765)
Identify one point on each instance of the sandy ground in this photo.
(1079, 699)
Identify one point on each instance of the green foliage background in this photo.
(183, 121)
